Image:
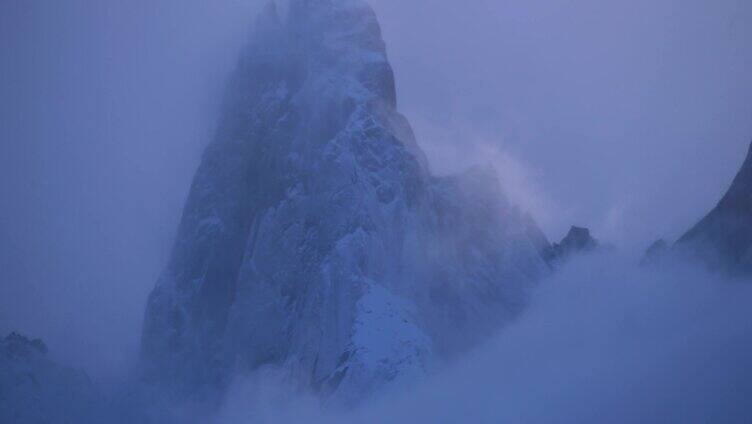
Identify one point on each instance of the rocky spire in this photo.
(314, 238)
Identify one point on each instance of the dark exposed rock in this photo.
(577, 241)
(723, 239)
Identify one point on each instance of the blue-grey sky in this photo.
(632, 117)
(629, 117)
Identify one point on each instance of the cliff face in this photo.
(315, 239)
(723, 239)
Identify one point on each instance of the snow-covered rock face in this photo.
(314, 238)
(723, 239)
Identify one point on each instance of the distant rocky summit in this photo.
(577, 241)
(723, 239)
(35, 389)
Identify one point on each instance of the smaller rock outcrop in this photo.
(35, 389)
(577, 241)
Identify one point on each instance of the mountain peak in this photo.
(723, 239)
(314, 237)
(578, 240)
(739, 195)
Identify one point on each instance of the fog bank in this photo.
(603, 341)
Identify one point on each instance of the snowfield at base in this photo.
(385, 344)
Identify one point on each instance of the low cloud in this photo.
(603, 341)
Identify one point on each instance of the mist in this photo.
(602, 341)
(105, 108)
(630, 119)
